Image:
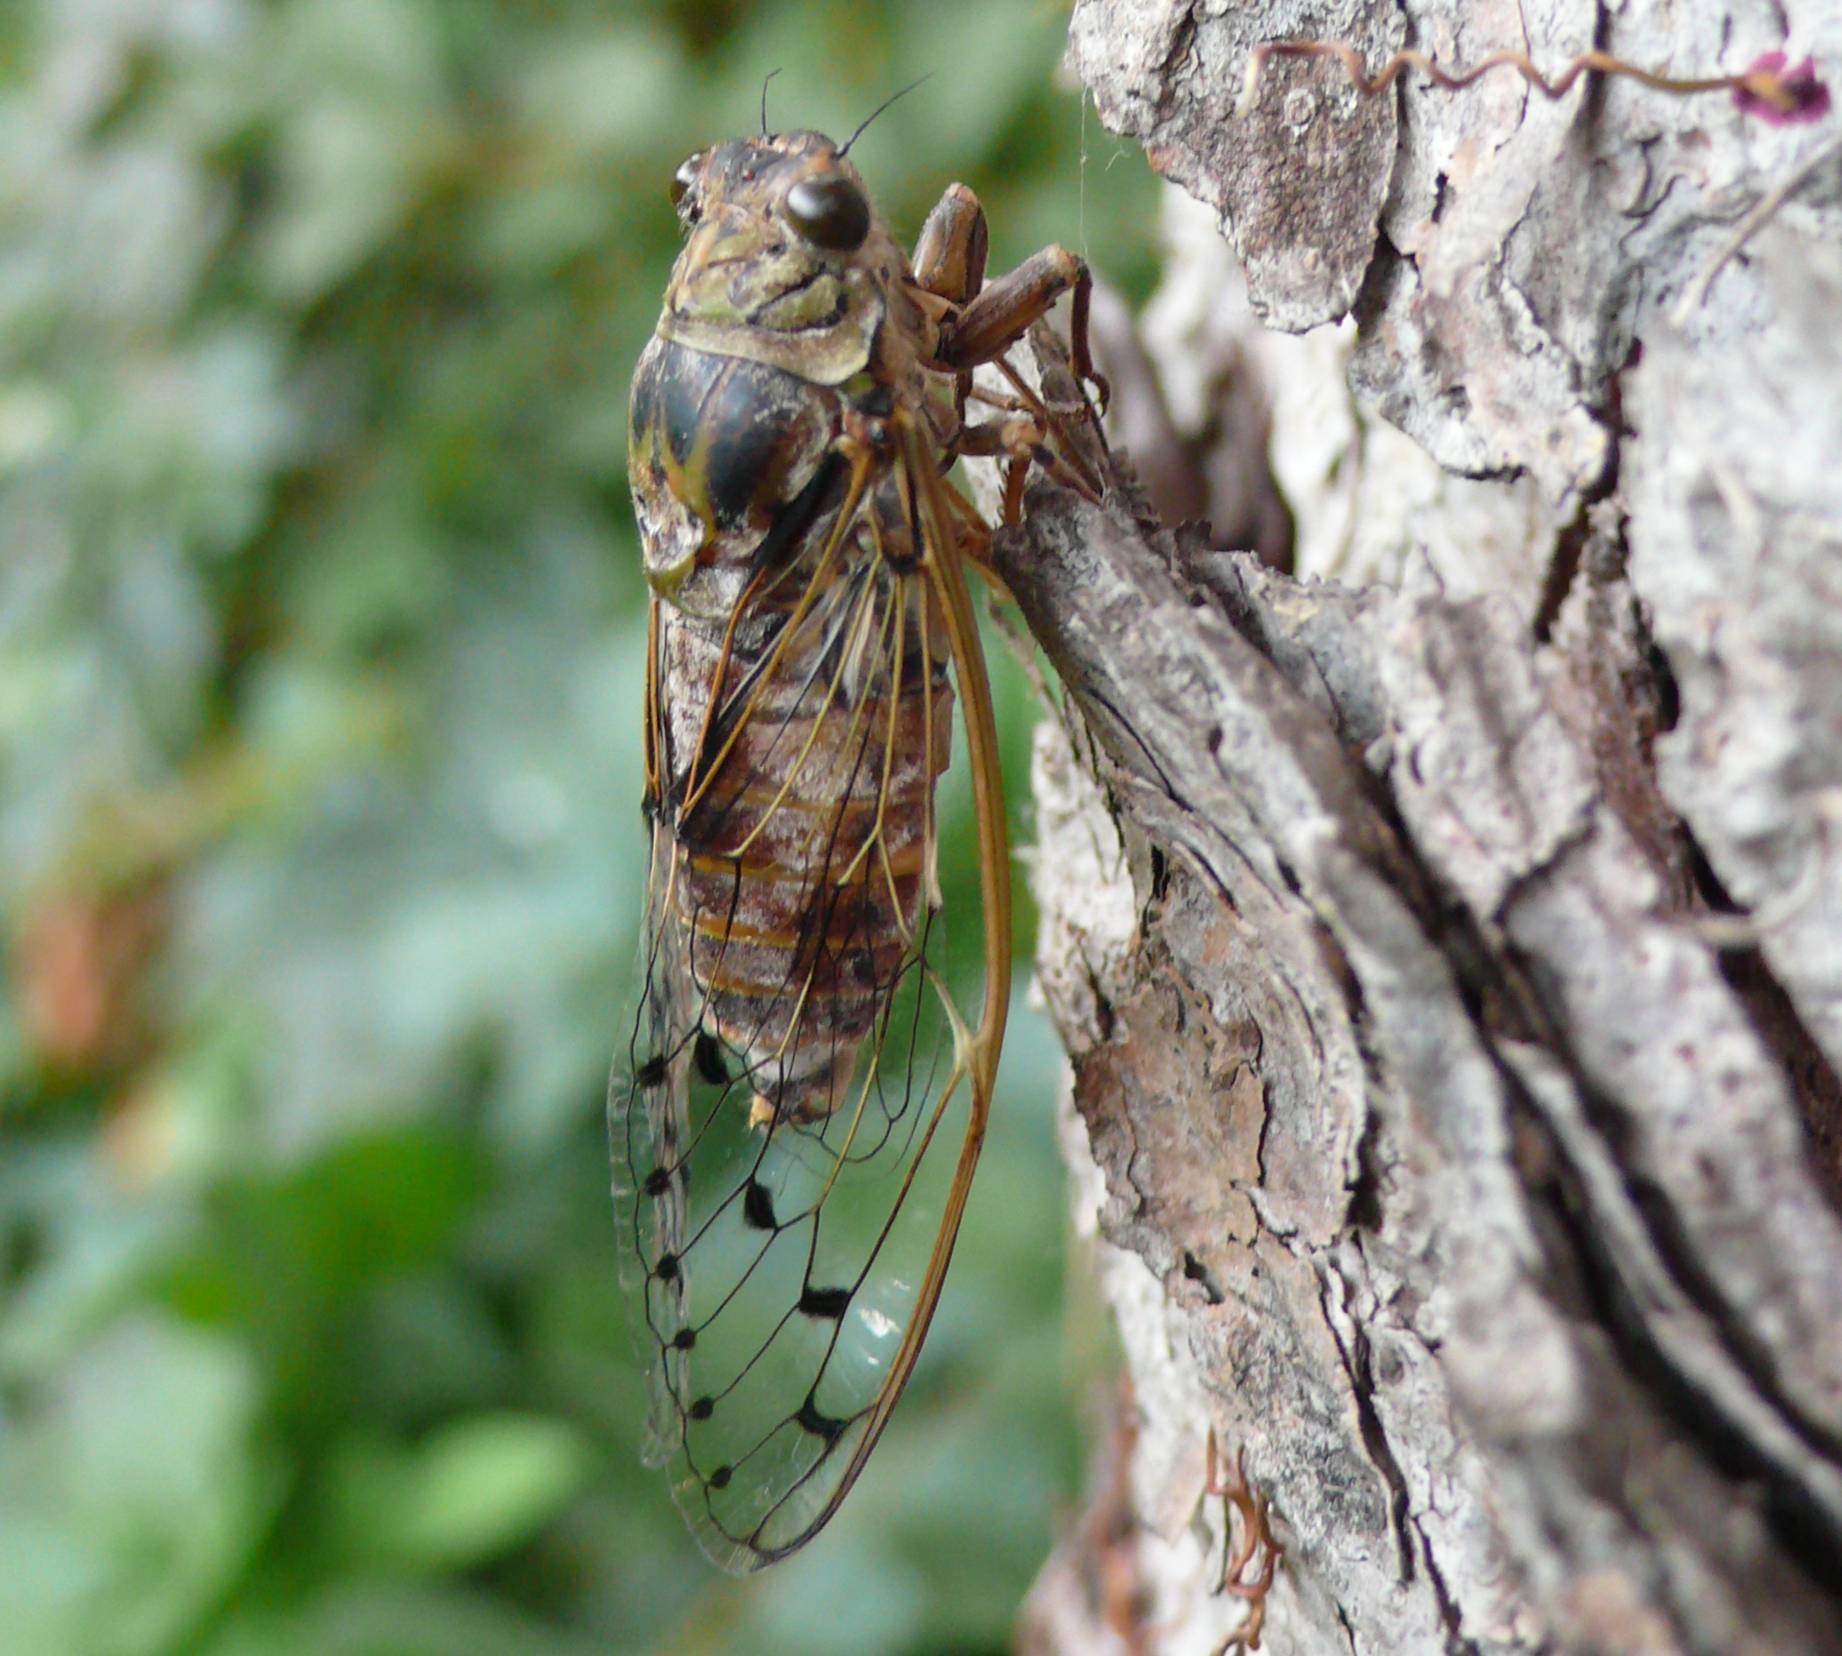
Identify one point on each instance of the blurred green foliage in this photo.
(320, 645)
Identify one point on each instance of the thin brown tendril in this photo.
(1763, 84)
(1257, 1540)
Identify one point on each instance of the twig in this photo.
(1696, 293)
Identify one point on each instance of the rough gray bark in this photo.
(1450, 955)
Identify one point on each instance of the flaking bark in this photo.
(1450, 955)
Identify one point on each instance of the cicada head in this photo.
(785, 260)
(780, 306)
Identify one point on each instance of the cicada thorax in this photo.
(731, 460)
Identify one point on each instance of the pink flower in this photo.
(1782, 96)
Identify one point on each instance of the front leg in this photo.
(995, 318)
(950, 254)
(986, 321)
(976, 324)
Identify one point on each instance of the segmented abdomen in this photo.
(802, 819)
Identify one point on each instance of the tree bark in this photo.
(1449, 952)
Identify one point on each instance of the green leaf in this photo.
(132, 1493)
(469, 1492)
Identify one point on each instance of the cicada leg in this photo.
(1020, 442)
(999, 315)
(950, 261)
(951, 250)
(982, 322)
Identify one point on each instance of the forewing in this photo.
(781, 1264)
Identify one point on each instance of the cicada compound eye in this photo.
(685, 177)
(829, 212)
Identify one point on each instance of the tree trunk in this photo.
(1449, 953)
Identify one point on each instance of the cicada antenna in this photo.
(764, 86)
(845, 147)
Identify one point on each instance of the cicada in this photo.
(796, 1126)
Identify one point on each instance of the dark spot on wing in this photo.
(819, 1425)
(825, 1302)
(758, 1206)
(711, 1064)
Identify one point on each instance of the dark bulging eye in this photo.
(685, 177)
(830, 212)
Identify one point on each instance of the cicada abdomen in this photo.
(796, 1129)
(792, 939)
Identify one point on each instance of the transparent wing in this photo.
(798, 1123)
